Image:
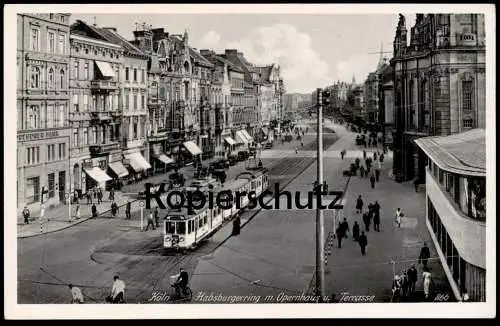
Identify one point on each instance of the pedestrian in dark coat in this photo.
(415, 184)
(405, 284)
(114, 209)
(376, 216)
(363, 242)
(99, 197)
(372, 181)
(355, 231)
(364, 154)
(112, 195)
(366, 221)
(345, 227)
(94, 210)
(369, 142)
(156, 215)
(412, 278)
(127, 211)
(362, 171)
(89, 198)
(359, 205)
(236, 225)
(374, 156)
(340, 235)
(424, 256)
(377, 175)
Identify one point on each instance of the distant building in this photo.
(43, 128)
(456, 208)
(439, 83)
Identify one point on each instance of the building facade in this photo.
(95, 114)
(456, 208)
(43, 128)
(439, 83)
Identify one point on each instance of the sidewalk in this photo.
(390, 251)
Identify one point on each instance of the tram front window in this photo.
(170, 227)
(181, 227)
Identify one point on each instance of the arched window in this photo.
(62, 77)
(186, 67)
(51, 77)
(33, 117)
(35, 77)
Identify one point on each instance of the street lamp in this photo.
(141, 205)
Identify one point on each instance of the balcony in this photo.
(105, 85)
(104, 148)
(101, 116)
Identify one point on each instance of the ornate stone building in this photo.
(94, 108)
(439, 83)
(43, 129)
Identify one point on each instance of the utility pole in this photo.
(320, 229)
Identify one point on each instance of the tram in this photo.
(186, 227)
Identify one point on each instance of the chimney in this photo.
(113, 29)
(231, 52)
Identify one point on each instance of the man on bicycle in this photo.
(182, 282)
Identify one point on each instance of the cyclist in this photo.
(182, 282)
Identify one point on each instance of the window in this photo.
(135, 130)
(135, 74)
(126, 74)
(62, 77)
(142, 76)
(35, 39)
(35, 77)
(51, 16)
(51, 178)
(94, 102)
(32, 155)
(49, 153)
(62, 147)
(32, 193)
(62, 19)
(468, 123)
(94, 135)
(143, 103)
(467, 95)
(86, 51)
(33, 117)
(50, 116)
(52, 42)
(86, 71)
(135, 102)
(51, 77)
(75, 103)
(75, 70)
(75, 137)
(62, 43)
(85, 136)
(85, 102)
(127, 101)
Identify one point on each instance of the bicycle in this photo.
(179, 296)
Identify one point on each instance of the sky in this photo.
(313, 50)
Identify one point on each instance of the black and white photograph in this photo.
(287, 160)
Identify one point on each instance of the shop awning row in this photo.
(230, 141)
(105, 69)
(165, 159)
(98, 175)
(138, 162)
(240, 137)
(192, 148)
(247, 136)
(119, 169)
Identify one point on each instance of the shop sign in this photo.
(38, 135)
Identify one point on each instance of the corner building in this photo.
(43, 131)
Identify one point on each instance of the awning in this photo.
(165, 159)
(119, 169)
(240, 137)
(105, 69)
(98, 175)
(230, 141)
(138, 162)
(192, 148)
(247, 135)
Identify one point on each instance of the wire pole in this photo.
(320, 230)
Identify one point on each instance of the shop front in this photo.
(137, 166)
(94, 173)
(161, 162)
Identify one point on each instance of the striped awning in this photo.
(165, 159)
(230, 141)
(98, 175)
(192, 148)
(119, 169)
(138, 162)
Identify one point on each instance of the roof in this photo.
(265, 73)
(199, 58)
(463, 153)
(119, 40)
(231, 65)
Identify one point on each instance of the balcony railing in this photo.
(104, 148)
(99, 116)
(103, 85)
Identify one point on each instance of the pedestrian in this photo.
(372, 181)
(362, 171)
(377, 175)
(345, 227)
(114, 209)
(94, 210)
(77, 211)
(374, 143)
(424, 256)
(26, 215)
(89, 198)
(260, 163)
(396, 289)
(375, 156)
(342, 154)
(366, 221)
(404, 285)
(127, 210)
(415, 183)
(296, 150)
(412, 278)
(236, 225)
(157, 217)
(340, 235)
(376, 216)
(111, 195)
(76, 294)
(355, 231)
(364, 155)
(150, 221)
(42, 213)
(363, 242)
(117, 291)
(301, 144)
(399, 215)
(359, 205)
(427, 277)
(99, 197)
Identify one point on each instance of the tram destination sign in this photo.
(38, 135)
